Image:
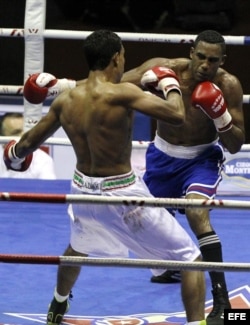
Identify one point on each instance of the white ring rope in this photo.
(66, 142)
(131, 262)
(124, 200)
(125, 36)
(18, 91)
(11, 90)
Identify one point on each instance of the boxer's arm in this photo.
(232, 90)
(134, 75)
(46, 127)
(170, 110)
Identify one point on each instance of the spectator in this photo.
(42, 166)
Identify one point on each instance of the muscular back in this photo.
(98, 128)
(97, 116)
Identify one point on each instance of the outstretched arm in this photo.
(164, 82)
(41, 86)
(15, 152)
(134, 75)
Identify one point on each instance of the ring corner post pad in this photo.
(34, 25)
(237, 316)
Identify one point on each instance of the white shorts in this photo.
(106, 230)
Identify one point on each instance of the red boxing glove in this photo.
(160, 79)
(209, 98)
(12, 161)
(39, 86)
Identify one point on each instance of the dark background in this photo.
(65, 57)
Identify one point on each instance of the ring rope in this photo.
(11, 90)
(124, 200)
(66, 142)
(125, 36)
(18, 91)
(130, 262)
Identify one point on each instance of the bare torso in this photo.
(97, 117)
(197, 128)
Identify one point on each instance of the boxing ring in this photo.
(35, 233)
(35, 229)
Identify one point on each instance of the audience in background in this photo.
(42, 166)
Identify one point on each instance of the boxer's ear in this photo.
(191, 52)
(116, 58)
(223, 60)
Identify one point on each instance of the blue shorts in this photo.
(171, 177)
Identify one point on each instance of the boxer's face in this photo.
(206, 59)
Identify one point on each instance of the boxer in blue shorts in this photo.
(177, 171)
(213, 104)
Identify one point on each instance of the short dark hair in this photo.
(6, 115)
(99, 47)
(212, 37)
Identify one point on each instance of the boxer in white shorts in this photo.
(109, 230)
(97, 116)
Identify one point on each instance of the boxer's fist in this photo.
(160, 79)
(209, 98)
(12, 161)
(40, 86)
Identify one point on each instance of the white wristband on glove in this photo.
(168, 84)
(44, 79)
(15, 160)
(224, 122)
(60, 86)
